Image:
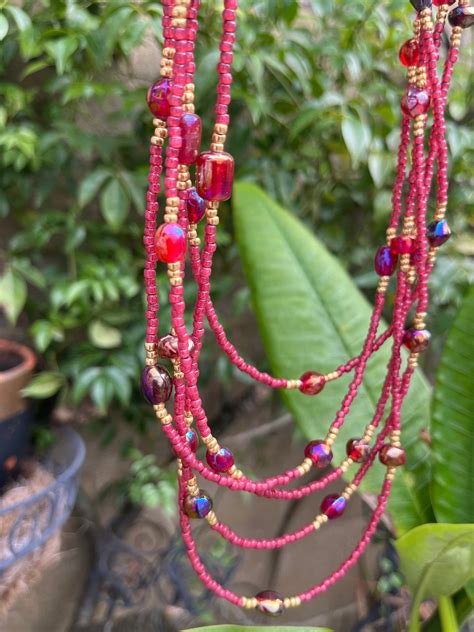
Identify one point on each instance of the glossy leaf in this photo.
(253, 628)
(44, 385)
(356, 135)
(90, 185)
(311, 316)
(12, 294)
(114, 204)
(452, 488)
(3, 26)
(104, 336)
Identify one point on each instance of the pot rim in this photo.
(27, 364)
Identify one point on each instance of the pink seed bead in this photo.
(215, 175)
(312, 383)
(158, 98)
(170, 243)
(191, 129)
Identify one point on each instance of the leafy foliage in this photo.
(246, 628)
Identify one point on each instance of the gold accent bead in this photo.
(156, 141)
(211, 518)
(169, 52)
(213, 221)
(179, 22)
(220, 128)
(383, 284)
(419, 320)
(176, 281)
(413, 360)
(404, 262)
(150, 361)
(159, 123)
(179, 12)
(149, 346)
(217, 147)
(432, 255)
(195, 242)
(211, 212)
(170, 218)
(218, 138)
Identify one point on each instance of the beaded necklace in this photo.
(409, 254)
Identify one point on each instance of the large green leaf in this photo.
(311, 316)
(244, 628)
(452, 487)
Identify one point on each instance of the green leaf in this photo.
(103, 336)
(13, 294)
(437, 559)
(22, 19)
(452, 488)
(84, 382)
(102, 392)
(61, 50)
(44, 332)
(356, 135)
(312, 316)
(114, 204)
(3, 27)
(254, 628)
(44, 385)
(90, 185)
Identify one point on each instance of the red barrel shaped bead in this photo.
(402, 245)
(392, 456)
(191, 130)
(385, 261)
(215, 175)
(170, 243)
(157, 98)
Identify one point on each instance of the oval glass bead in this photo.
(462, 16)
(197, 507)
(319, 453)
(357, 450)
(270, 603)
(392, 456)
(192, 439)
(402, 245)
(156, 384)
(409, 53)
(170, 243)
(220, 461)
(167, 346)
(438, 232)
(333, 506)
(215, 175)
(415, 101)
(196, 206)
(385, 261)
(157, 98)
(191, 129)
(312, 383)
(416, 340)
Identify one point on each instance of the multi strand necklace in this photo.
(409, 255)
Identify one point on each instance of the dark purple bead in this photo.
(156, 384)
(416, 340)
(385, 261)
(319, 453)
(270, 603)
(220, 461)
(438, 232)
(462, 16)
(333, 506)
(195, 206)
(419, 5)
(197, 506)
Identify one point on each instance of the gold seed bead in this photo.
(211, 212)
(188, 97)
(179, 12)
(404, 262)
(286, 602)
(159, 122)
(211, 518)
(220, 128)
(161, 132)
(411, 275)
(169, 52)
(411, 74)
(371, 428)
(211, 443)
(218, 138)
(183, 169)
(440, 211)
(181, 186)
(189, 87)
(345, 465)
(408, 225)
(188, 107)
(250, 602)
(217, 147)
(150, 361)
(176, 281)
(390, 475)
(192, 234)
(293, 384)
(432, 255)
(329, 377)
(383, 284)
(172, 201)
(213, 204)
(213, 221)
(179, 22)
(167, 420)
(419, 320)
(175, 267)
(413, 360)
(195, 242)
(156, 141)
(149, 346)
(166, 72)
(237, 473)
(170, 218)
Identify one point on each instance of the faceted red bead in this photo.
(215, 175)
(191, 129)
(319, 453)
(170, 243)
(197, 506)
(357, 450)
(415, 101)
(402, 245)
(167, 346)
(220, 461)
(392, 456)
(158, 98)
(195, 206)
(385, 262)
(312, 383)
(270, 603)
(409, 53)
(462, 16)
(416, 340)
(438, 232)
(333, 506)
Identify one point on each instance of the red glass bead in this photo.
(402, 245)
(170, 243)
(333, 506)
(438, 3)
(215, 175)
(392, 456)
(270, 603)
(415, 101)
(409, 53)
(158, 98)
(438, 232)
(416, 340)
(192, 440)
(191, 129)
(312, 383)
(462, 16)
(220, 461)
(167, 346)
(319, 453)
(197, 507)
(385, 262)
(156, 384)
(357, 450)
(195, 206)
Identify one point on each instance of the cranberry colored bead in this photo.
(319, 453)
(438, 3)
(385, 262)
(333, 506)
(192, 439)
(269, 603)
(197, 507)
(357, 450)
(416, 340)
(156, 384)
(312, 383)
(419, 5)
(158, 98)
(215, 175)
(402, 245)
(191, 129)
(415, 101)
(409, 53)
(462, 16)
(220, 461)
(195, 206)
(170, 243)
(438, 232)
(167, 346)
(392, 456)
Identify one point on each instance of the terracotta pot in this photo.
(16, 366)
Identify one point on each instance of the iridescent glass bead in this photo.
(409, 53)
(392, 456)
(462, 16)
(385, 262)
(196, 206)
(197, 507)
(416, 340)
(333, 506)
(438, 232)
(167, 346)
(156, 384)
(170, 243)
(415, 101)
(358, 450)
(270, 603)
(215, 175)
(158, 98)
(220, 461)
(319, 453)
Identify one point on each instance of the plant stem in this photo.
(447, 615)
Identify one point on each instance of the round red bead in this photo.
(357, 450)
(170, 243)
(195, 206)
(312, 383)
(220, 461)
(415, 101)
(385, 262)
(158, 98)
(409, 53)
(333, 506)
(402, 245)
(416, 340)
(319, 453)
(270, 603)
(392, 456)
